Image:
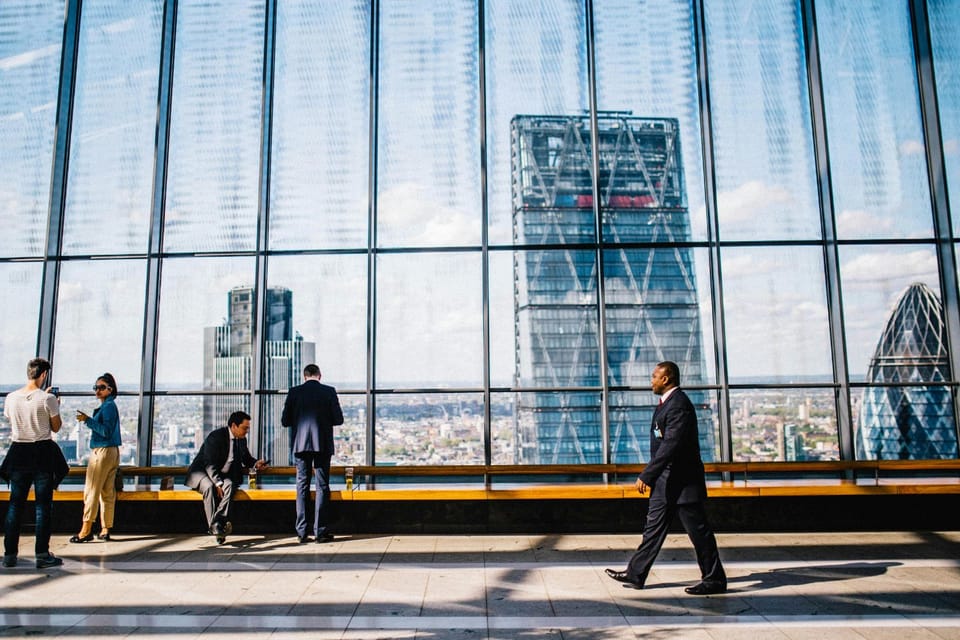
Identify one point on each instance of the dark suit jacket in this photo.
(675, 470)
(312, 409)
(213, 455)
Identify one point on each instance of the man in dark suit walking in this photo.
(312, 410)
(675, 478)
(218, 470)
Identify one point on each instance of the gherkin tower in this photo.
(912, 422)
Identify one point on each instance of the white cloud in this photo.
(885, 265)
(749, 200)
(409, 207)
(911, 148)
(859, 223)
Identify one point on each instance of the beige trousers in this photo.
(99, 491)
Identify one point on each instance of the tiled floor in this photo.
(811, 586)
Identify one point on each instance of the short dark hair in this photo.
(672, 371)
(111, 382)
(37, 367)
(311, 371)
(237, 417)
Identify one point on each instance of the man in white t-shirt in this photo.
(33, 459)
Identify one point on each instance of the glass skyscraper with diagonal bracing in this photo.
(650, 299)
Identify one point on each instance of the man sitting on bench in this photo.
(218, 470)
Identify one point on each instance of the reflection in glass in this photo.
(100, 322)
(631, 415)
(944, 17)
(654, 77)
(195, 306)
(19, 312)
(31, 32)
(536, 63)
(215, 125)
(874, 130)
(776, 314)
(318, 185)
(873, 280)
(329, 310)
(179, 430)
(429, 131)
(763, 143)
(784, 425)
(110, 181)
(429, 320)
(74, 436)
(429, 429)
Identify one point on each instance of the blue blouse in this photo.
(105, 425)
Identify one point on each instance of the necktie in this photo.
(236, 453)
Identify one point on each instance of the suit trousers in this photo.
(99, 492)
(319, 465)
(694, 519)
(216, 509)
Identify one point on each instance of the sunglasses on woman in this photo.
(100, 387)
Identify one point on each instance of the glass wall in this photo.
(486, 222)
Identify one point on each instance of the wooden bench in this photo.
(609, 481)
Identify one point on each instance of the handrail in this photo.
(745, 469)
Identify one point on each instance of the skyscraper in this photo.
(909, 422)
(652, 311)
(228, 360)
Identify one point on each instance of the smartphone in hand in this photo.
(54, 391)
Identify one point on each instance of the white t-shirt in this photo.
(29, 413)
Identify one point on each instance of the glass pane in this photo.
(875, 134)
(784, 424)
(631, 414)
(654, 314)
(892, 306)
(110, 183)
(318, 187)
(180, 424)
(763, 143)
(555, 319)
(19, 314)
(663, 59)
(558, 428)
(535, 64)
(19, 310)
(215, 126)
(74, 436)
(206, 312)
(349, 439)
(430, 429)
(31, 32)
(504, 431)
(776, 315)
(429, 131)
(328, 306)
(100, 323)
(904, 423)
(944, 16)
(429, 304)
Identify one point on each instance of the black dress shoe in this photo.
(706, 589)
(621, 576)
(104, 536)
(303, 539)
(77, 538)
(325, 537)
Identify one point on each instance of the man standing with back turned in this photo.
(675, 479)
(312, 410)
